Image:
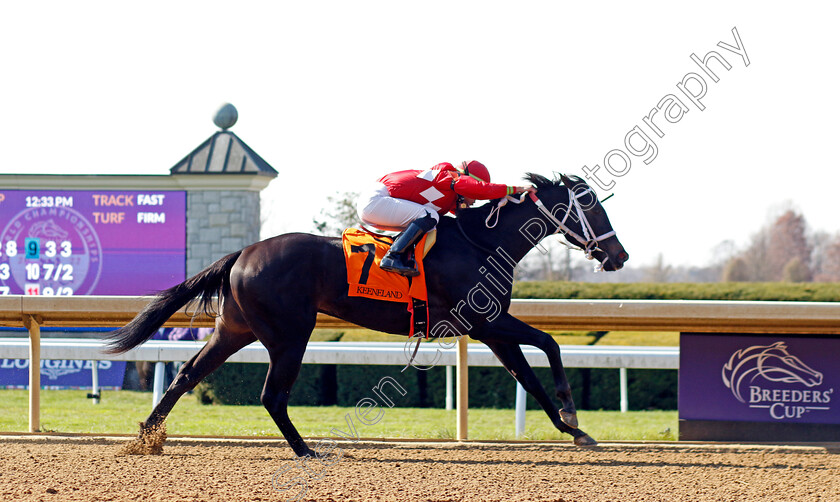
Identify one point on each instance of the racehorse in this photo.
(273, 290)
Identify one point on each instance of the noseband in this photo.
(589, 240)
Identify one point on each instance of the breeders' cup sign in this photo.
(779, 378)
(754, 375)
(64, 374)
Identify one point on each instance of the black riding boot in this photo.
(399, 257)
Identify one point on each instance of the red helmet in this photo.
(475, 169)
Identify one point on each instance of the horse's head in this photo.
(47, 229)
(772, 363)
(776, 364)
(581, 218)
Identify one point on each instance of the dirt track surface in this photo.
(93, 469)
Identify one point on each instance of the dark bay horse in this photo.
(272, 291)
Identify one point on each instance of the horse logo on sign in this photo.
(47, 229)
(773, 363)
(769, 377)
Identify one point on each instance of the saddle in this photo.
(363, 251)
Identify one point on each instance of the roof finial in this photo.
(226, 116)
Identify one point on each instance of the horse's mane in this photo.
(541, 181)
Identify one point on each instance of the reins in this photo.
(472, 242)
(494, 211)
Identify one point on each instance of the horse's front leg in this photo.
(514, 361)
(511, 330)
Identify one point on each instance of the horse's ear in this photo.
(567, 181)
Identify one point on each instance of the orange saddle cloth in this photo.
(363, 252)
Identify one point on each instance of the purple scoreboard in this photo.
(97, 242)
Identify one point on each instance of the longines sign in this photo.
(759, 378)
(62, 374)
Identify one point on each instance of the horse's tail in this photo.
(204, 285)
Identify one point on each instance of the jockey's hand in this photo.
(525, 189)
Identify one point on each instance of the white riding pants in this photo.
(376, 207)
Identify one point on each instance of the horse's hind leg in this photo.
(285, 338)
(227, 339)
(282, 373)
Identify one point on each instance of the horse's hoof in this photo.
(569, 419)
(585, 440)
(308, 452)
(149, 442)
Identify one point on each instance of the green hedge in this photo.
(242, 383)
(757, 291)
(345, 385)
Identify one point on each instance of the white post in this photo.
(520, 410)
(449, 397)
(622, 377)
(94, 373)
(158, 383)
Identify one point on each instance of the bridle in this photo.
(589, 239)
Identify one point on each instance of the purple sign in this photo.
(102, 242)
(759, 378)
(62, 374)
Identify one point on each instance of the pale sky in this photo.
(335, 94)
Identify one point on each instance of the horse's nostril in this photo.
(623, 256)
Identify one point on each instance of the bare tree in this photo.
(820, 243)
(755, 257)
(338, 214)
(787, 241)
(723, 252)
(829, 263)
(659, 271)
(555, 264)
(796, 271)
(736, 270)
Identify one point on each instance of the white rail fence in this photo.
(367, 353)
(33, 312)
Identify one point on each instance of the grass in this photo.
(120, 411)
(641, 338)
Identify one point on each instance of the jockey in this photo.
(412, 201)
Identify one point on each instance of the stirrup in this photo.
(396, 263)
(400, 256)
